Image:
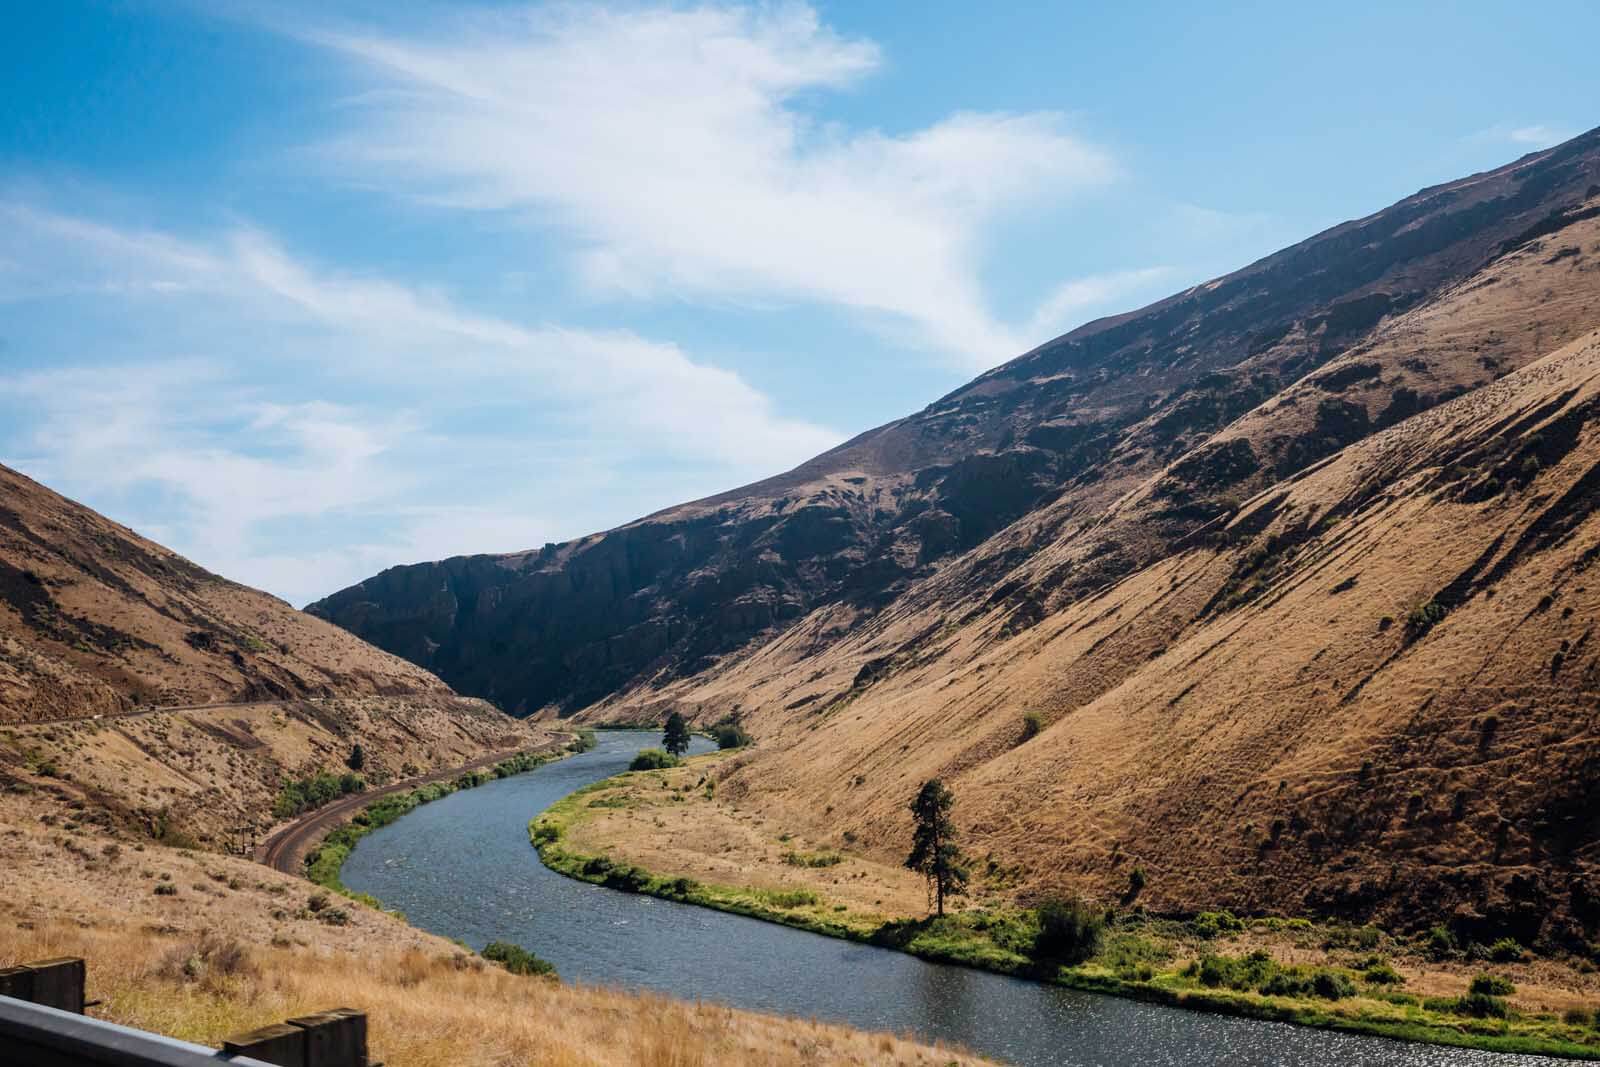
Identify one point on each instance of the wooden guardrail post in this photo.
(336, 1038)
(57, 983)
(279, 1043)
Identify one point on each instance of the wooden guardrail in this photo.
(42, 1024)
(336, 1038)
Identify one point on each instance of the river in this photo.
(462, 867)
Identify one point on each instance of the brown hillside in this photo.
(1267, 719)
(1031, 450)
(1290, 565)
(142, 692)
(96, 619)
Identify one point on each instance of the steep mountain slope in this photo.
(98, 624)
(96, 619)
(1367, 689)
(1050, 439)
(1370, 692)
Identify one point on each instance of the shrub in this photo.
(1380, 973)
(812, 859)
(1440, 944)
(1287, 984)
(1209, 924)
(307, 794)
(1492, 985)
(1482, 1006)
(1136, 881)
(1070, 930)
(1249, 972)
(205, 960)
(1577, 1017)
(652, 759)
(1128, 954)
(166, 889)
(1345, 936)
(1215, 971)
(730, 735)
(1332, 985)
(1424, 617)
(1507, 950)
(628, 879)
(683, 887)
(1032, 725)
(517, 959)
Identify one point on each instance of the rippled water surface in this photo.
(463, 867)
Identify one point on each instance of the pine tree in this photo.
(357, 758)
(933, 843)
(676, 738)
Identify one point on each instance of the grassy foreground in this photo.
(201, 946)
(1139, 957)
(430, 1006)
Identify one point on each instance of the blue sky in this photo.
(304, 291)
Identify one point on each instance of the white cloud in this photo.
(1535, 135)
(1539, 136)
(681, 152)
(1071, 301)
(228, 454)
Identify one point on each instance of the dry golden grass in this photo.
(671, 827)
(434, 1007)
(237, 946)
(215, 771)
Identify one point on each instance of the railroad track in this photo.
(285, 848)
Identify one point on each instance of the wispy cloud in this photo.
(237, 455)
(1534, 135)
(681, 152)
(1070, 302)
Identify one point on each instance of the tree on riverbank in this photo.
(676, 737)
(934, 852)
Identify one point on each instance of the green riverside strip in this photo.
(1125, 966)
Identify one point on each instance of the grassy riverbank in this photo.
(201, 946)
(1324, 975)
(327, 860)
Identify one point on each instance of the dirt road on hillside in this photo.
(285, 848)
